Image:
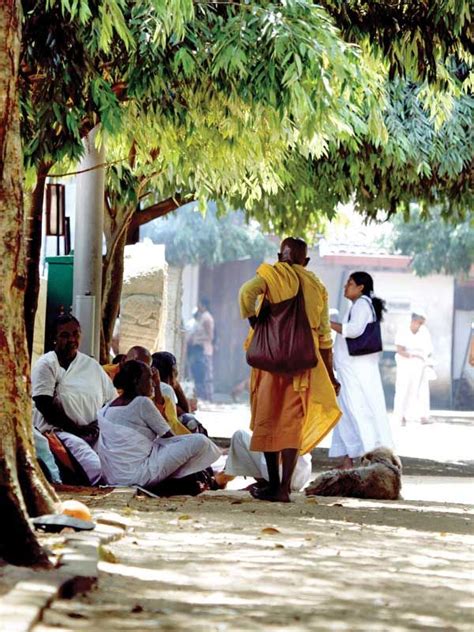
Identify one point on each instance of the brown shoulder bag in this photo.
(282, 341)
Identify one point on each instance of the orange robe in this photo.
(291, 411)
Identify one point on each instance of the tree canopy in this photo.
(282, 107)
(436, 246)
(193, 238)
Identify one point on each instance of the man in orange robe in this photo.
(290, 413)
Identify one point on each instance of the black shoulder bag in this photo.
(370, 341)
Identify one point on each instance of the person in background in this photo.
(167, 367)
(364, 424)
(200, 351)
(68, 388)
(114, 367)
(414, 370)
(136, 445)
(290, 413)
(45, 458)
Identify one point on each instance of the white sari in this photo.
(364, 423)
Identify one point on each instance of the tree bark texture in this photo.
(33, 236)
(118, 222)
(23, 489)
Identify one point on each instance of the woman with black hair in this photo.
(364, 423)
(167, 367)
(136, 445)
(68, 387)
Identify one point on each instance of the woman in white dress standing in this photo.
(364, 424)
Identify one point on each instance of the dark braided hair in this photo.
(364, 278)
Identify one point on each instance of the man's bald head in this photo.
(139, 353)
(293, 250)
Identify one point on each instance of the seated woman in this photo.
(167, 366)
(68, 388)
(242, 461)
(136, 446)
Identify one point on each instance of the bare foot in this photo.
(266, 493)
(222, 479)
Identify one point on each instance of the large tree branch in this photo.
(154, 211)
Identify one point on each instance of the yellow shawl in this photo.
(317, 393)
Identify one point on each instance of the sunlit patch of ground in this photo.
(223, 561)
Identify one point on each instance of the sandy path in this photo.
(224, 561)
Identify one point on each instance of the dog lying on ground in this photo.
(378, 476)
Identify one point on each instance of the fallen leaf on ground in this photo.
(106, 555)
(270, 530)
(184, 517)
(312, 500)
(337, 505)
(279, 546)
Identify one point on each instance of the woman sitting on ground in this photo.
(167, 366)
(68, 387)
(136, 445)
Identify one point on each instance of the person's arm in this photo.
(325, 341)
(54, 414)
(158, 396)
(336, 326)
(43, 386)
(154, 419)
(182, 405)
(404, 353)
(326, 355)
(248, 295)
(361, 316)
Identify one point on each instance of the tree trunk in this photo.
(118, 222)
(23, 489)
(33, 236)
(112, 281)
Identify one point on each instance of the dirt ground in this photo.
(224, 561)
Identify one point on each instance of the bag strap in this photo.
(265, 294)
(371, 307)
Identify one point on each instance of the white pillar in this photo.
(88, 239)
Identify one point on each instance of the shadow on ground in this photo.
(224, 561)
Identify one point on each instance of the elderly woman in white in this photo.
(364, 423)
(68, 388)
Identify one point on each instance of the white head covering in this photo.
(419, 311)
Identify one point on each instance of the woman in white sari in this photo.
(136, 445)
(364, 424)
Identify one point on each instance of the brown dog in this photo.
(378, 476)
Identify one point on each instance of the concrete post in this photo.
(88, 246)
